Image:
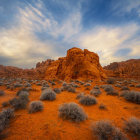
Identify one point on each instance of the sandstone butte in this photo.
(124, 69)
(78, 64)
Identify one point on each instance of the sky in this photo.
(32, 31)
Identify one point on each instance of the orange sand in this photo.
(47, 124)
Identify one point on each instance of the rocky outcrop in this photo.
(124, 69)
(78, 64)
(34, 73)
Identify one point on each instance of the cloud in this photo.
(106, 41)
(126, 7)
(38, 35)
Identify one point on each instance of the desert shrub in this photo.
(118, 135)
(96, 87)
(87, 84)
(71, 89)
(7, 86)
(53, 83)
(131, 85)
(5, 104)
(132, 96)
(132, 126)
(102, 106)
(138, 86)
(20, 102)
(57, 90)
(35, 106)
(117, 85)
(74, 85)
(80, 95)
(64, 84)
(2, 92)
(110, 81)
(104, 130)
(113, 92)
(107, 87)
(1, 83)
(22, 91)
(88, 100)
(48, 94)
(17, 85)
(44, 88)
(38, 84)
(68, 88)
(72, 111)
(124, 88)
(95, 92)
(27, 85)
(5, 117)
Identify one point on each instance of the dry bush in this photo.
(35, 106)
(48, 94)
(104, 130)
(124, 88)
(132, 96)
(2, 92)
(138, 86)
(132, 126)
(110, 81)
(80, 95)
(72, 111)
(57, 90)
(95, 92)
(88, 100)
(20, 102)
(5, 117)
(113, 93)
(102, 106)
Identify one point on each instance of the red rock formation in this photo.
(34, 73)
(78, 64)
(125, 69)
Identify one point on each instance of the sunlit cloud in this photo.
(106, 41)
(37, 34)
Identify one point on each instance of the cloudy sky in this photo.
(35, 30)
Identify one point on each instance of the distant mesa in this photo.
(124, 69)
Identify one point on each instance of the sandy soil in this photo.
(47, 124)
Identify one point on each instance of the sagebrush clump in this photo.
(104, 130)
(80, 95)
(48, 94)
(72, 111)
(88, 100)
(35, 106)
(132, 96)
(2, 92)
(5, 117)
(132, 126)
(113, 93)
(20, 102)
(95, 92)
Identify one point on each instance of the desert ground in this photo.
(47, 123)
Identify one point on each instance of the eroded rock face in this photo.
(34, 73)
(125, 69)
(78, 64)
